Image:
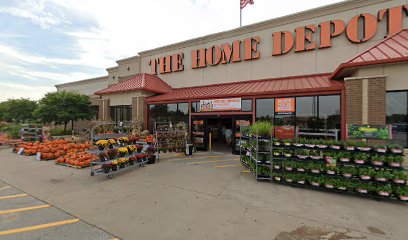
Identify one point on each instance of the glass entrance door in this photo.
(198, 133)
(239, 123)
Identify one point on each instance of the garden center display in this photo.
(120, 146)
(170, 138)
(348, 167)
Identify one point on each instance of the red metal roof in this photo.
(391, 50)
(141, 81)
(319, 82)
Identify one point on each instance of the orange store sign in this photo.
(359, 29)
(285, 105)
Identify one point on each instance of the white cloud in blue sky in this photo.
(47, 42)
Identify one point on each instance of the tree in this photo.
(17, 110)
(62, 107)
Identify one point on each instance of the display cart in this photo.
(170, 137)
(113, 130)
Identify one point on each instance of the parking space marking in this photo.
(212, 161)
(175, 155)
(14, 196)
(5, 187)
(36, 227)
(225, 166)
(24, 209)
(246, 171)
(187, 158)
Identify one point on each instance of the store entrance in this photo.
(211, 133)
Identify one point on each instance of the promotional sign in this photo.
(285, 132)
(201, 122)
(230, 104)
(362, 131)
(284, 106)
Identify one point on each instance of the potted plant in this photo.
(396, 148)
(302, 154)
(102, 156)
(122, 151)
(111, 142)
(151, 150)
(348, 172)
(139, 148)
(344, 157)
(262, 129)
(366, 173)
(334, 144)
(132, 160)
(402, 193)
(122, 162)
(394, 161)
(287, 154)
(381, 148)
(101, 144)
(114, 165)
(310, 143)
(377, 160)
(151, 159)
(361, 158)
(349, 146)
(112, 153)
(276, 176)
(314, 167)
(382, 175)
(298, 142)
(322, 144)
(131, 149)
(384, 190)
(106, 167)
(123, 141)
(289, 177)
(315, 154)
(331, 157)
(139, 157)
(314, 180)
(363, 188)
(287, 142)
(341, 184)
(399, 177)
(328, 183)
(277, 153)
(330, 169)
(288, 165)
(300, 166)
(363, 146)
(277, 143)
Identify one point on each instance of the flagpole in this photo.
(240, 14)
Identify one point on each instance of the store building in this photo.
(311, 73)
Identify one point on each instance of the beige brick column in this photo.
(138, 111)
(104, 109)
(365, 100)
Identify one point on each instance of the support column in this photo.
(104, 109)
(365, 100)
(138, 111)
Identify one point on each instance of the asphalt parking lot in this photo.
(23, 216)
(209, 196)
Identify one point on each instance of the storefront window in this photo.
(265, 109)
(195, 107)
(95, 112)
(121, 113)
(329, 112)
(246, 105)
(306, 113)
(174, 112)
(397, 116)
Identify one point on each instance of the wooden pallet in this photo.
(71, 166)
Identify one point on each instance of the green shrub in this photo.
(59, 132)
(262, 128)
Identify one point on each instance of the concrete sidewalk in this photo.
(205, 197)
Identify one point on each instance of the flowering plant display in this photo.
(111, 141)
(123, 139)
(123, 150)
(112, 153)
(101, 143)
(131, 148)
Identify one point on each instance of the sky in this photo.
(48, 42)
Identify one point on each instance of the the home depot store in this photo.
(328, 67)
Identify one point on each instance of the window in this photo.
(397, 116)
(246, 105)
(195, 107)
(95, 112)
(121, 113)
(306, 113)
(265, 109)
(329, 112)
(174, 112)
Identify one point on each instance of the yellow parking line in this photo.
(23, 209)
(36, 227)
(212, 161)
(14, 196)
(225, 166)
(5, 187)
(246, 171)
(175, 155)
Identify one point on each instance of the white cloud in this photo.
(13, 90)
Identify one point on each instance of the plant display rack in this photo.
(170, 138)
(364, 171)
(113, 165)
(31, 134)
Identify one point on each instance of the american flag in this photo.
(246, 2)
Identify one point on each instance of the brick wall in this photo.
(376, 101)
(354, 101)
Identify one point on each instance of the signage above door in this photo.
(220, 105)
